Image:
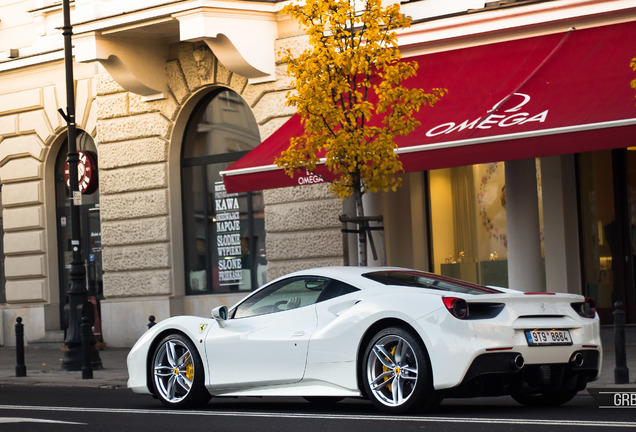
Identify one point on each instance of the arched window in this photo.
(224, 234)
(90, 225)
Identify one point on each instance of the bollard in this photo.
(20, 367)
(152, 322)
(85, 331)
(621, 372)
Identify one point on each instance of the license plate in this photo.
(548, 337)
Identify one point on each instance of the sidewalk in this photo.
(44, 368)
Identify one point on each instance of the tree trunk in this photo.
(362, 235)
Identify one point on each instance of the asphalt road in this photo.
(34, 408)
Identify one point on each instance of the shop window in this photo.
(607, 200)
(468, 218)
(224, 234)
(468, 222)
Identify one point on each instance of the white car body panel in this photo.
(450, 359)
(278, 340)
(315, 350)
(195, 328)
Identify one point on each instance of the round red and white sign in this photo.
(86, 173)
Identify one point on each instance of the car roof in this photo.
(340, 272)
(352, 274)
(355, 275)
(350, 270)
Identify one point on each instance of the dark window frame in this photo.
(204, 163)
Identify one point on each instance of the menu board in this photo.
(228, 236)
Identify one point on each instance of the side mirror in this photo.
(219, 313)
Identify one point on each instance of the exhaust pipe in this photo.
(577, 359)
(517, 362)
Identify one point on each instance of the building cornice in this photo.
(133, 46)
(478, 27)
(138, 18)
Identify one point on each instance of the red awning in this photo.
(542, 96)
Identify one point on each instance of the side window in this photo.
(284, 295)
(335, 289)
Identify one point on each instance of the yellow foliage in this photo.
(349, 93)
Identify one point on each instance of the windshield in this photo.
(427, 280)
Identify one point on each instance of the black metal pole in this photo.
(20, 367)
(77, 294)
(621, 372)
(85, 329)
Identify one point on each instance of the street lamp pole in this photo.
(78, 304)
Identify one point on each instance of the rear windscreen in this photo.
(427, 280)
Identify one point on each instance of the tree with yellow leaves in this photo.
(350, 97)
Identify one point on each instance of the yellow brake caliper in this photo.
(386, 369)
(189, 369)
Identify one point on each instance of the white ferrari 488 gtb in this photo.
(402, 338)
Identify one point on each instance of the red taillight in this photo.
(456, 306)
(587, 309)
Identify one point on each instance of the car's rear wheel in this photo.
(177, 373)
(544, 399)
(396, 374)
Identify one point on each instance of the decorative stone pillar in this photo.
(525, 269)
(560, 224)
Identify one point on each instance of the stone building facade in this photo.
(142, 71)
(139, 142)
(30, 136)
(139, 147)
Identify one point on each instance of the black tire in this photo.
(544, 399)
(177, 373)
(396, 374)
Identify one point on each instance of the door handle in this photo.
(298, 333)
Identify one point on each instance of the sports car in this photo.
(402, 338)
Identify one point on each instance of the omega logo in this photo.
(510, 117)
(310, 178)
(525, 100)
(86, 172)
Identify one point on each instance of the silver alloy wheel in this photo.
(173, 371)
(392, 370)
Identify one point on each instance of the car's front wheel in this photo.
(396, 375)
(177, 373)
